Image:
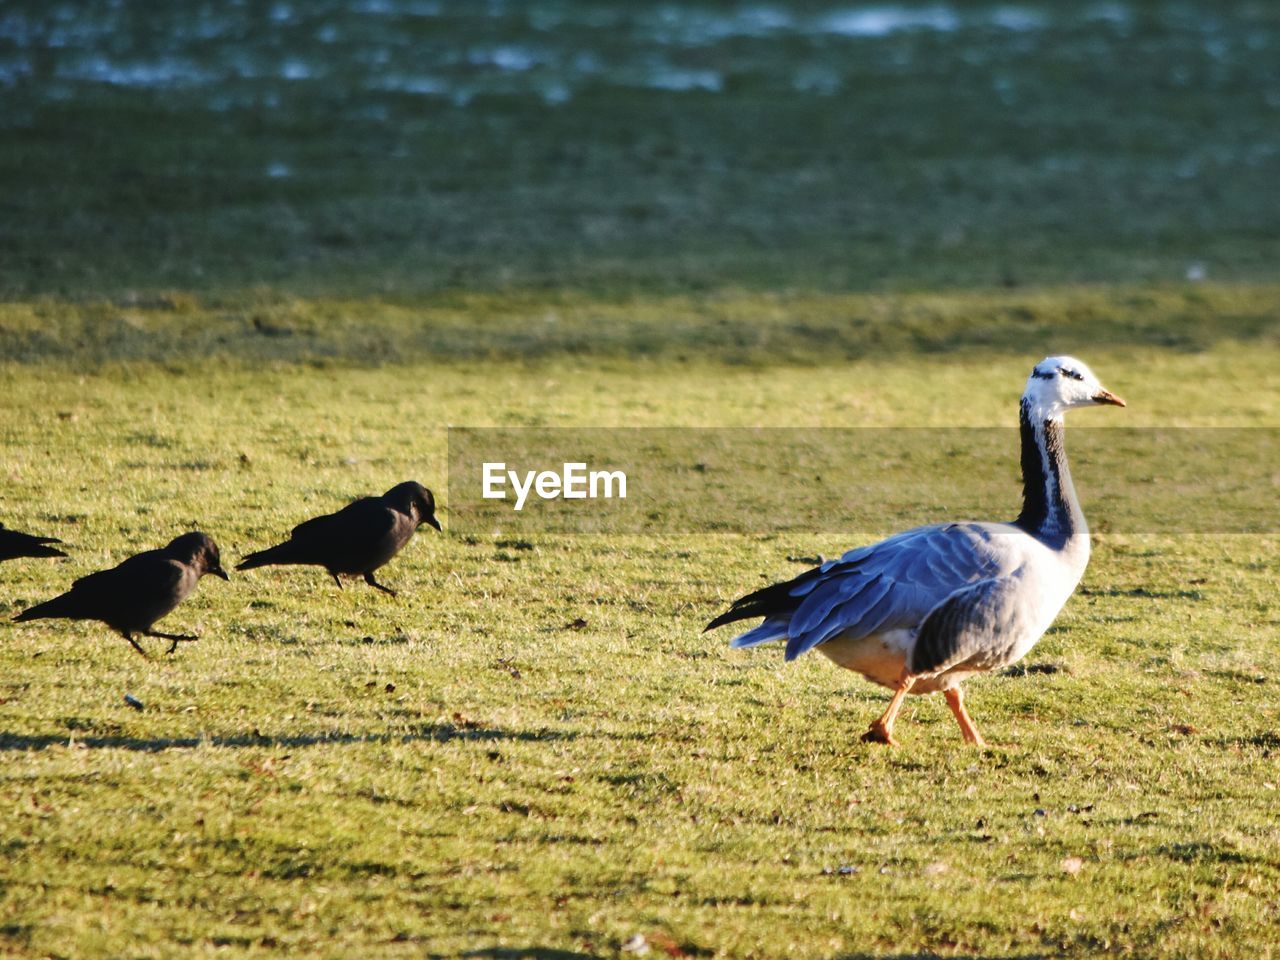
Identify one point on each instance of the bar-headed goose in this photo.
(925, 609)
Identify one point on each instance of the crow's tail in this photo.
(284, 553)
(41, 550)
(51, 609)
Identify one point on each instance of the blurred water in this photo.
(553, 50)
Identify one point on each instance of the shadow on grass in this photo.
(549, 953)
(521, 953)
(1266, 741)
(1204, 852)
(437, 733)
(1143, 593)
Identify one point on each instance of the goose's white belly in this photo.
(879, 657)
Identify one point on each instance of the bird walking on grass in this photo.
(358, 539)
(921, 611)
(14, 544)
(131, 597)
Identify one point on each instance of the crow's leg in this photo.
(134, 643)
(336, 579)
(368, 578)
(173, 638)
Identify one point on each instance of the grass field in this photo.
(460, 771)
(255, 266)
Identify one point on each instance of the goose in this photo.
(923, 610)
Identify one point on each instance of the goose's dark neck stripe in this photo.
(1050, 511)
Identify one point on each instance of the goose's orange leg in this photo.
(955, 700)
(881, 730)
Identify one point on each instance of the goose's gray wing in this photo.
(969, 629)
(888, 585)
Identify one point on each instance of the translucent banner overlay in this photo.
(848, 480)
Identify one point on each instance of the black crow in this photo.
(15, 544)
(359, 538)
(131, 597)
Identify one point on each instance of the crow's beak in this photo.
(219, 572)
(1106, 396)
(434, 522)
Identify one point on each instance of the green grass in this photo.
(460, 770)
(239, 298)
(184, 329)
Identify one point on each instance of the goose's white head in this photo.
(1059, 384)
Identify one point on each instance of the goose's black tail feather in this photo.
(768, 601)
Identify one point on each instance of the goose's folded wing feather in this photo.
(968, 628)
(888, 585)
